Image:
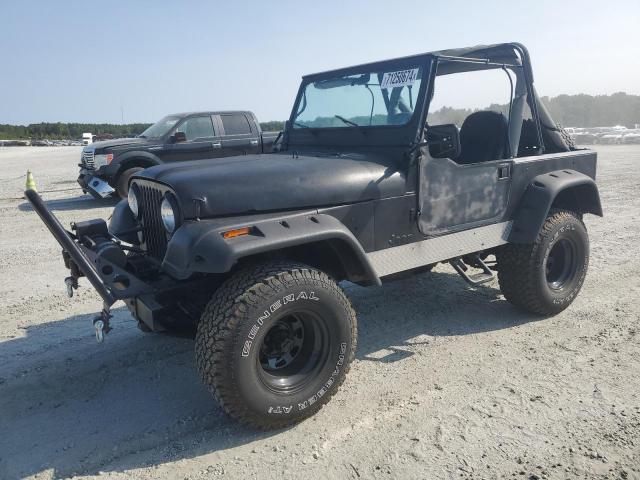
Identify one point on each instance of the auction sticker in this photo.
(400, 78)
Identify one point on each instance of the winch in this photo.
(95, 235)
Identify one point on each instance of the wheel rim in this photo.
(292, 352)
(561, 264)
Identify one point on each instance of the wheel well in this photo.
(135, 162)
(580, 198)
(335, 257)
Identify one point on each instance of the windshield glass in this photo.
(386, 96)
(160, 128)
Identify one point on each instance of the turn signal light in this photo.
(237, 232)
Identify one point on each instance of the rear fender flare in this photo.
(561, 188)
(199, 246)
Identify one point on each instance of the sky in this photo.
(89, 61)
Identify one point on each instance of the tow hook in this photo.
(101, 323)
(72, 284)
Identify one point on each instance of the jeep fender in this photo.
(561, 188)
(123, 224)
(199, 246)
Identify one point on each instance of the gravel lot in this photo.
(449, 382)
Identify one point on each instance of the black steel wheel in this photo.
(275, 342)
(293, 352)
(561, 263)
(546, 276)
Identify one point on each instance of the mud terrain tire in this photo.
(275, 342)
(545, 277)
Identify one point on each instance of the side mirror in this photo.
(178, 137)
(443, 141)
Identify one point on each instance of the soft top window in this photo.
(383, 96)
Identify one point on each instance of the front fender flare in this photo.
(563, 188)
(123, 224)
(199, 247)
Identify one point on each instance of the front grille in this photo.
(87, 159)
(154, 236)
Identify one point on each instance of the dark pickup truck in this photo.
(107, 166)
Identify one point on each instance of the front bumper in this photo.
(96, 187)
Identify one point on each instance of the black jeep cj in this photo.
(249, 250)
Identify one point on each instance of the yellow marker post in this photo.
(31, 184)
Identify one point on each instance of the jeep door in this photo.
(471, 189)
(456, 197)
(201, 138)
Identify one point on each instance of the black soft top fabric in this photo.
(498, 53)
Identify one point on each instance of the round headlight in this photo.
(132, 199)
(168, 214)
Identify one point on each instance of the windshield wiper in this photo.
(301, 125)
(348, 122)
(142, 136)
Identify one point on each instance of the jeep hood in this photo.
(277, 182)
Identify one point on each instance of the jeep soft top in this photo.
(249, 251)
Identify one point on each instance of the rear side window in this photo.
(197, 127)
(235, 124)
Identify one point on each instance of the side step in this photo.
(477, 278)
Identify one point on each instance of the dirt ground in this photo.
(449, 381)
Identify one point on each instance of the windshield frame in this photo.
(423, 61)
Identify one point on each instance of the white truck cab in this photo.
(87, 138)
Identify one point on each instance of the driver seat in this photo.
(483, 137)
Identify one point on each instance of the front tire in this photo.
(275, 342)
(546, 276)
(122, 183)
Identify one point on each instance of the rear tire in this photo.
(122, 183)
(275, 343)
(545, 277)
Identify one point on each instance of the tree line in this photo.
(595, 111)
(569, 110)
(74, 131)
(59, 130)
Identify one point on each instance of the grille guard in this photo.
(110, 281)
